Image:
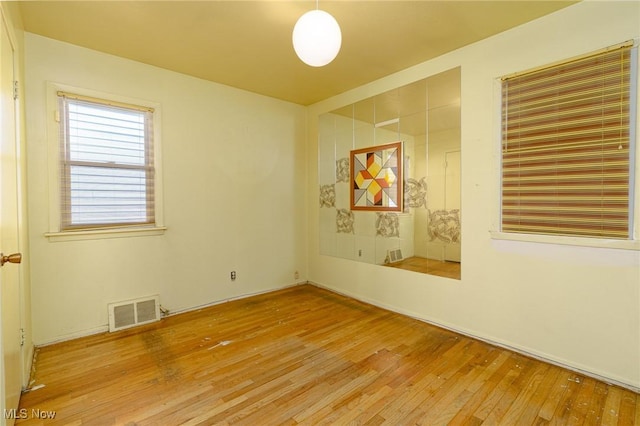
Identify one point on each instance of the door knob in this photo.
(12, 258)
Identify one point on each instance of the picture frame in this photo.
(376, 180)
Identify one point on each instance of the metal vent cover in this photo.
(395, 255)
(130, 313)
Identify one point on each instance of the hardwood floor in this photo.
(429, 266)
(304, 355)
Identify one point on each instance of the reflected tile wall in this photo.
(327, 195)
(415, 192)
(444, 225)
(387, 225)
(344, 221)
(342, 170)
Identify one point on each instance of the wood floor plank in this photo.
(611, 412)
(501, 391)
(357, 409)
(517, 411)
(579, 408)
(562, 413)
(554, 396)
(304, 355)
(628, 408)
(530, 414)
(596, 404)
(493, 373)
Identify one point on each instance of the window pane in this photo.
(566, 148)
(107, 195)
(107, 164)
(106, 134)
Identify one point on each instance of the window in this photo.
(107, 165)
(567, 146)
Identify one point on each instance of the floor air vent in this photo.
(395, 255)
(133, 312)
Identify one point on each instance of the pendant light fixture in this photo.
(317, 38)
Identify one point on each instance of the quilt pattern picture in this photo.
(376, 178)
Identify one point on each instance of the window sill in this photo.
(571, 241)
(99, 234)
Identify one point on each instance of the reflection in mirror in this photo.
(426, 235)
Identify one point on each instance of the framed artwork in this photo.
(376, 178)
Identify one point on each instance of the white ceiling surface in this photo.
(247, 44)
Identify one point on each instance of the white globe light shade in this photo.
(317, 38)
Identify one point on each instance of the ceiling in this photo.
(247, 44)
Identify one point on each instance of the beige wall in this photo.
(577, 306)
(234, 196)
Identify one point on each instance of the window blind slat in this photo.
(566, 147)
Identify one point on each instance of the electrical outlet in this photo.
(296, 275)
(233, 275)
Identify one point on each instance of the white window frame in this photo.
(633, 243)
(55, 233)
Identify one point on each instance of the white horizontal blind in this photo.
(566, 148)
(107, 171)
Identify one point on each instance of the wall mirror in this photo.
(425, 234)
